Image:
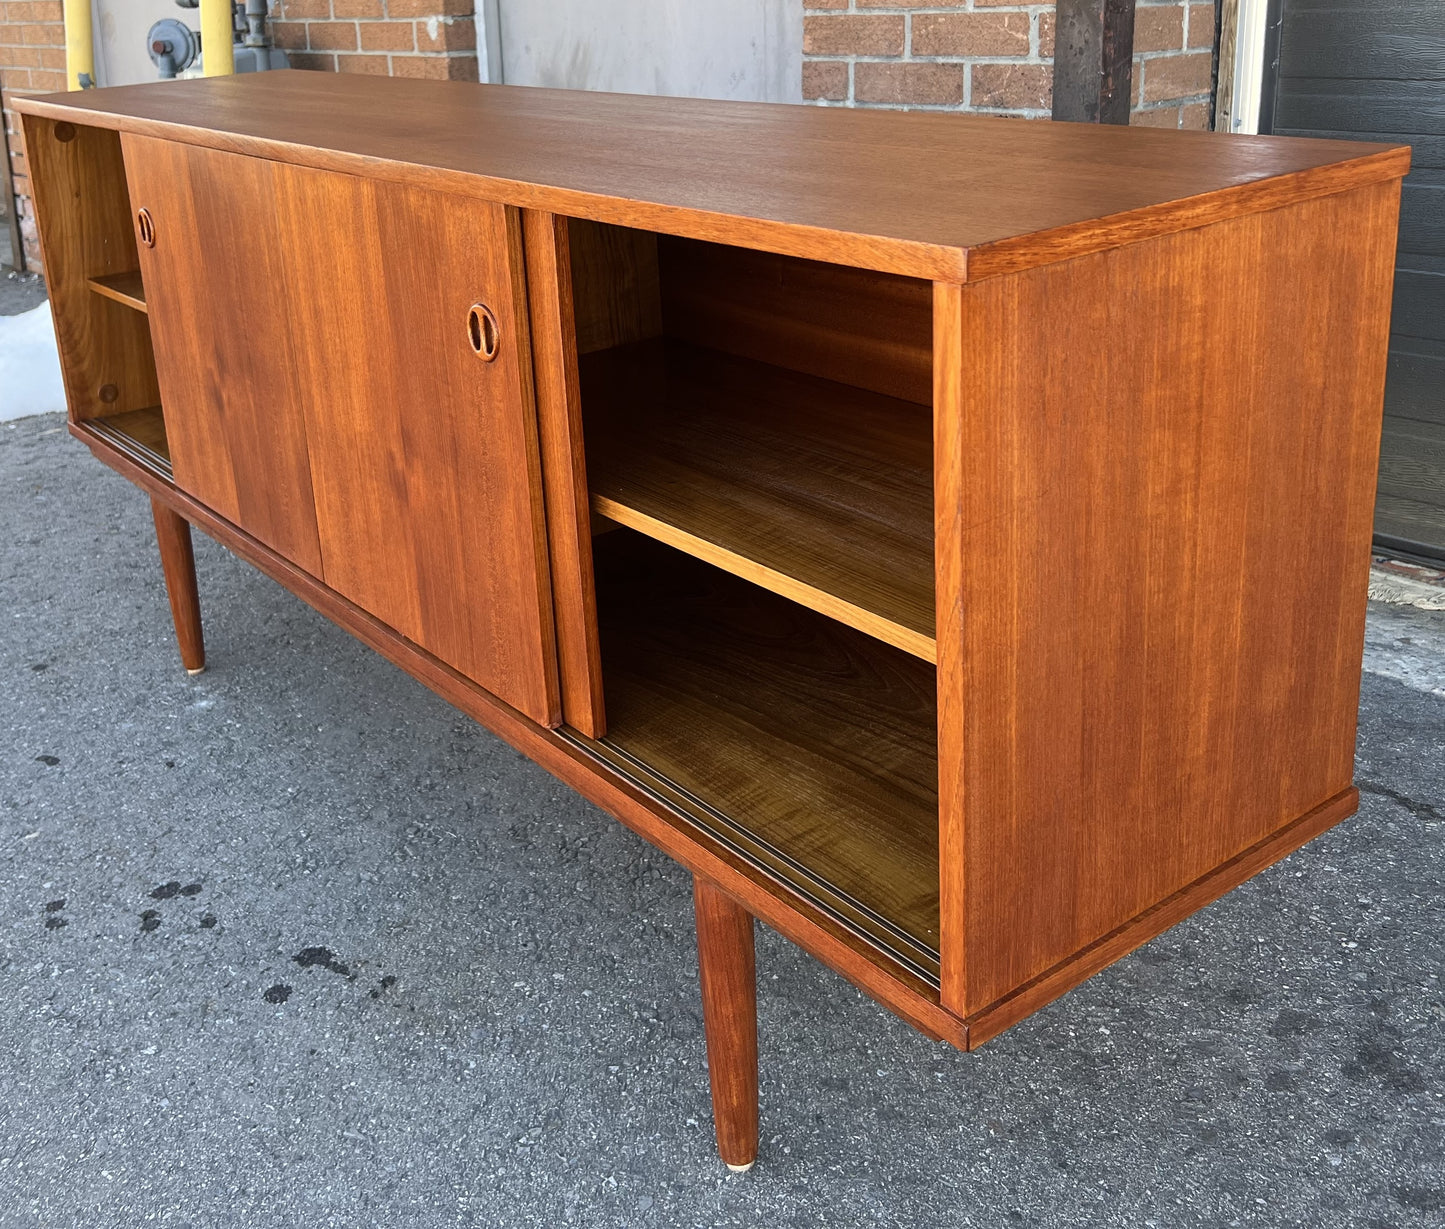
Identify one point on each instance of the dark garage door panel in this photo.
(1403, 109)
(1375, 70)
(1327, 38)
(1419, 306)
(1412, 476)
(1417, 374)
(1422, 218)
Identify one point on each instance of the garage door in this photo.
(1375, 70)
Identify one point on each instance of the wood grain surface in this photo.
(214, 285)
(330, 403)
(78, 181)
(817, 739)
(926, 194)
(813, 489)
(178, 563)
(236, 433)
(616, 295)
(1156, 538)
(727, 971)
(871, 330)
(424, 459)
(955, 699)
(564, 468)
(1027, 998)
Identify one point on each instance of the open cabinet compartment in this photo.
(760, 427)
(92, 273)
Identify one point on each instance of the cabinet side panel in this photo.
(1167, 470)
(615, 289)
(84, 215)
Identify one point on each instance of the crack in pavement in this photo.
(1422, 810)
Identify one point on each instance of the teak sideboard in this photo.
(945, 536)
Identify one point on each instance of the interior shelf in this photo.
(122, 287)
(810, 747)
(140, 434)
(814, 489)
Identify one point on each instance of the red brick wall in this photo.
(398, 38)
(994, 56)
(32, 61)
(1173, 63)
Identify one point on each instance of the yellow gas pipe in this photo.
(218, 57)
(79, 48)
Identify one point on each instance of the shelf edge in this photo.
(115, 294)
(905, 639)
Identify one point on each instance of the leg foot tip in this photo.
(739, 1169)
(197, 670)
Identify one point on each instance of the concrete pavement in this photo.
(294, 944)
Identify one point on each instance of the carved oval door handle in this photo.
(145, 225)
(483, 332)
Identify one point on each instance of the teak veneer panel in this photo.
(564, 467)
(950, 197)
(322, 392)
(424, 458)
(871, 330)
(809, 735)
(1155, 555)
(616, 295)
(224, 345)
(816, 490)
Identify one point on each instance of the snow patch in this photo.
(29, 365)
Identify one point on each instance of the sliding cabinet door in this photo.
(409, 331)
(215, 291)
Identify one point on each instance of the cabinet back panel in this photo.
(870, 330)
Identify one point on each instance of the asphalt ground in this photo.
(19, 292)
(292, 943)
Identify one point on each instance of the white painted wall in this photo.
(741, 49)
(120, 37)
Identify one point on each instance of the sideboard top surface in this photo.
(944, 196)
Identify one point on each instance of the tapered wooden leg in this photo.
(173, 534)
(730, 1020)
